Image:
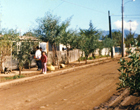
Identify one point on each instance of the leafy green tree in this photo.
(11, 35)
(6, 43)
(138, 38)
(50, 29)
(117, 37)
(66, 39)
(23, 53)
(109, 43)
(5, 50)
(20, 55)
(89, 41)
(129, 39)
(100, 47)
(76, 41)
(28, 43)
(29, 34)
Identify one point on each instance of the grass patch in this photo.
(91, 58)
(14, 77)
(82, 59)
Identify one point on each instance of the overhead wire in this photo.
(125, 15)
(84, 7)
(128, 16)
(58, 5)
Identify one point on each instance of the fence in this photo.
(62, 56)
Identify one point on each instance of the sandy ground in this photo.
(78, 90)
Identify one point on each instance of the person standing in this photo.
(41, 49)
(38, 58)
(44, 61)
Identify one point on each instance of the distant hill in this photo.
(104, 33)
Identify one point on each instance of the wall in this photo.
(62, 55)
(104, 51)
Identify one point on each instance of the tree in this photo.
(50, 29)
(28, 43)
(6, 43)
(5, 50)
(117, 37)
(29, 34)
(100, 47)
(23, 53)
(129, 39)
(76, 41)
(90, 40)
(108, 43)
(66, 39)
(138, 38)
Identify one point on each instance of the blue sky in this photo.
(22, 14)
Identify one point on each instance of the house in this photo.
(6, 60)
(46, 46)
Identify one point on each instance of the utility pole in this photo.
(123, 46)
(110, 34)
(130, 26)
(122, 30)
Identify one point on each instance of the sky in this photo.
(22, 14)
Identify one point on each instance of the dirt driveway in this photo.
(78, 90)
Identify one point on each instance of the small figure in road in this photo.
(38, 58)
(44, 62)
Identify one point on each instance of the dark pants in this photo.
(38, 62)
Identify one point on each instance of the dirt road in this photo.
(79, 90)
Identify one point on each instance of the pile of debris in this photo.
(121, 101)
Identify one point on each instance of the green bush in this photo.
(82, 59)
(130, 73)
(96, 57)
(90, 58)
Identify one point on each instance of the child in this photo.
(44, 61)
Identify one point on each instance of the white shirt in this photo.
(38, 54)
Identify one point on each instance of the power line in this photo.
(132, 18)
(58, 5)
(84, 7)
(132, 15)
(125, 15)
(128, 16)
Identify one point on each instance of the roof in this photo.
(28, 37)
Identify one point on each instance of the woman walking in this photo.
(44, 61)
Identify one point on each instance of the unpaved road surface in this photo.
(78, 90)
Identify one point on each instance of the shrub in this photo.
(130, 73)
(82, 59)
(90, 58)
